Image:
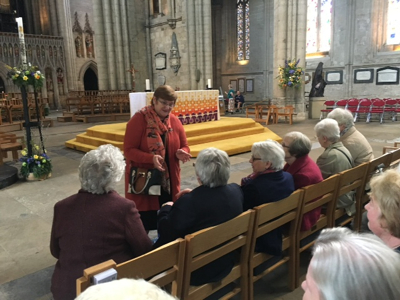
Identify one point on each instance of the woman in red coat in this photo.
(303, 169)
(155, 138)
(96, 224)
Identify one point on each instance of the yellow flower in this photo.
(36, 147)
(23, 152)
(25, 78)
(37, 76)
(35, 156)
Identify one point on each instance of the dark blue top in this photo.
(266, 188)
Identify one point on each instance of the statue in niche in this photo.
(174, 58)
(78, 46)
(43, 52)
(318, 83)
(49, 83)
(60, 81)
(55, 52)
(16, 50)
(10, 50)
(37, 51)
(5, 51)
(89, 46)
(29, 52)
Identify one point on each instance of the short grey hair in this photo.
(101, 169)
(271, 151)
(328, 128)
(342, 116)
(125, 289)
(344, 260)
(300, 145)
(213, 167)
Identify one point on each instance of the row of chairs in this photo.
(365, 107)
(11, 109)
(174, 263)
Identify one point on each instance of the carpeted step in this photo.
(257, 128)
(114, 132)
(73, 144)
(236, 145)
(95, 141)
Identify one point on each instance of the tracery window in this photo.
(319, 25)
(243, 29)
(393, 23)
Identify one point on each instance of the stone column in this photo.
(117, 44)
(53, 19)
(124, 30)
(109, 46)
(65, 20)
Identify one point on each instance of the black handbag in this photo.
(145, 181)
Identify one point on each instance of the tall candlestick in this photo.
(21, 41)
(147, 84)
(209, 83)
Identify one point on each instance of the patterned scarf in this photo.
(156, 128)
(252, 176)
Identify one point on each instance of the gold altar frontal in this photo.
(233, 135)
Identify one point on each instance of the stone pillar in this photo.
(290, 24)
(109, 47)
(117, 44)
(124, 30)
(53, 19)
(65, 20)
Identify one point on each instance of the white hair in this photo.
(349, 265)
(125, 289)
(101, 169)
(213, 167)
(328, 128)
(271, 151)
(300, 144)
(342, 116)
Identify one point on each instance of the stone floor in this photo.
(26, 209)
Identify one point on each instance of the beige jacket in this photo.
(358, 146)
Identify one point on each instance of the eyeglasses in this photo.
(254, 158)
(165, 103)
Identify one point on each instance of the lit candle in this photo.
(147, 84)
(209, 83)
(21, 40)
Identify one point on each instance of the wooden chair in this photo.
(162, 266)
(262, 110)
(209, 244)
(8, 143)
(251, 110)
(267, 218)
(374, 166)
(390, 148)
(322, 194)
(349, 180)
(287, 112)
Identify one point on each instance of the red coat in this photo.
(305, 172)
(137, 154)
(89, 229)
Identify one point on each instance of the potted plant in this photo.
(35, 167)
(290, 75)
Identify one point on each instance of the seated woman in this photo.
(239, 100)
(335, 159)
(96, 224)
(348, 265)
(303, 169)
(212, 203)
(352, 139)
(267, 183)
(384, 208)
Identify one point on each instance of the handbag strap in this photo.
(143, 174)
(348, 158)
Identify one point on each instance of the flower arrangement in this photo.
(39, 163)
(26, 76)
(290, 74)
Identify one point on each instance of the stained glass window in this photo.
(319, 25)
(393, 22)
(243, 29)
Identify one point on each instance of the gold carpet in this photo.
(233, 135)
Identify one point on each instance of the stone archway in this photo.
(90, 80)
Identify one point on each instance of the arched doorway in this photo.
(2, 86)
(90, 80)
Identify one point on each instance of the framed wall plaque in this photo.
(241, 85)
(161, 61)
(334, 77)
(387, 75)
(364, 76)
(249, 85)
(233, 83)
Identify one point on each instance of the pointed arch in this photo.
(89, 64)
(243, 29)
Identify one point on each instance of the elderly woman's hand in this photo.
(158, 162)
(182, 155)
(183, 192)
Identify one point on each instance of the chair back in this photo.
(342, 103)
(207, 245)
(269, 217)
(162, 266)
(351, 180)
(374, 166)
